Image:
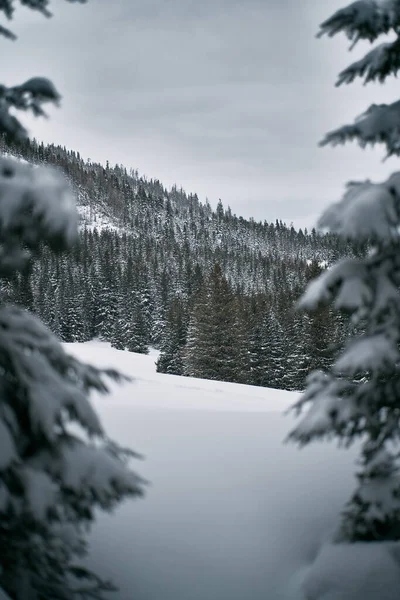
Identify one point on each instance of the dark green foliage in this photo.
(215, 345)
(50, 489)
(174, 340)
(357, 397)
(130, 329)
(268, 361)
(123, 283)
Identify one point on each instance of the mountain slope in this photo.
(145, 260)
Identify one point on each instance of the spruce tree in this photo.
(53, 476)
(359, 397)
(170, 359)
(214, 347)
(262, 346)
(323, 331)
(130, 331)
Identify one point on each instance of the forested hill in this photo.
(155, 267)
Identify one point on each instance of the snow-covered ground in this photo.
(92, 218)
(232, 513)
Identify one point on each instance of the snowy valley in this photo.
(147, 271)
(196, 405)
(231, 511)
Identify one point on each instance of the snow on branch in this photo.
(40, 492)
(368, 212)
(55, 383)
(36, 204)
(329, 409)
(347, 279)
(375, 66)
(374, 353)
(379, 124)
(96, 474)
(353, 572)
(363, 20)
(8, 8)
(386, 297)
(30, 96)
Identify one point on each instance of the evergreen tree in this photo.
(130, 331)
(261, 343)
(50, 488)
(172, 239)
(109, 298)
(359, 397)
(259, 350)
(170, 359)
(135, 332)
(324, 331)
(25, 293)
(214, 347)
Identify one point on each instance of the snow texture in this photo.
(347, 278)
(231, 512)
(36, 204)
(40, 492)
(34, 349)
(362, 571)
(318, 419)
(91, 218)
(172, 392)
(89, 470)
(386, 294)
(372, 353)
(367, 211)
(29, 96)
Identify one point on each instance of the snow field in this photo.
(231, 512)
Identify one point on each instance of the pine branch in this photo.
(363, 20)
(30, 96)
(7, 33)
(8, 8)
(377, 65)
(379, 124)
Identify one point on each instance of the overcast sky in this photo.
(225, 98)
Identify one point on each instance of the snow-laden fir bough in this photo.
(359, 398)
(57, 465)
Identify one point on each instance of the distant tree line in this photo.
(213, 291)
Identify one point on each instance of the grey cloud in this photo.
(228, 98)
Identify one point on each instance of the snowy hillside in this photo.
(231, 513)
(153, 253)
(153, 390)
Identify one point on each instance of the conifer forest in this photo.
(216, 293)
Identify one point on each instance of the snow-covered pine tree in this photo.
(258, 351)
(130, 332)
(57, 465)
(110, 298)
(215, 347)
(264, 360)
(170, 359)
(359, 397)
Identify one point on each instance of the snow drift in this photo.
(231, 512)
